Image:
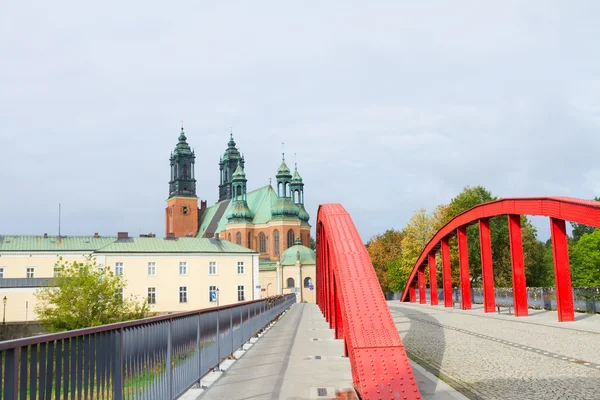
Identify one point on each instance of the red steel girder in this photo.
(360, 316)
(518, 265)
(487, 272)
(562, 270)
(446, 273)
(433, 289)
(463, 265)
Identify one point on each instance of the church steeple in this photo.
(240, 212)
(227, 166)
(284, 178)
(183, 182)
(297, 187)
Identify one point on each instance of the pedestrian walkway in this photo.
(491, 356)
(295, 358)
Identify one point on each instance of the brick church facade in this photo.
(265, 220)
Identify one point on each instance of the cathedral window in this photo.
(262, 242)
(238, 238)
(290, 238)
(276, 242)
(185, 171)
(307, 281)
(290, 283)
(249, 240)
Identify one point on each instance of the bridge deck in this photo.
(495, 356)
(282, 363)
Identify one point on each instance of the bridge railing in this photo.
(351, 299)
(153, 358)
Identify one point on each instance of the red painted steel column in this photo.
(518, 265)
(413, 293)
(487, 271)
(446, 273)
(562, 270)
(421, 275)
(463, 263)
(433, 291)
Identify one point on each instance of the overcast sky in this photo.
(390, 106)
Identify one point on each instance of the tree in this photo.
(84, 295)
(382, 249)
(585, 260)
(580, 229)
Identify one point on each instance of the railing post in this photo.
(562, 271)
(170, 359)
(118, 376)
(433, 294)
(446, 273)
(487, 272)
(518, 265)
(11, 375)
(198, 350)
(463, 261)
(421, 282)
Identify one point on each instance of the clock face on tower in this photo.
(185, 210)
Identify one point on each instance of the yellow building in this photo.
(295, 273)
(174, 274)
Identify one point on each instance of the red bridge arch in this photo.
(559, 209)
(351, 299)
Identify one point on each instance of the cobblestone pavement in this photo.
(490, 358)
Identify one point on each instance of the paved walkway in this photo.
(288, 363)
(491, 356)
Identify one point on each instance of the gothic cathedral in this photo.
(263, 220)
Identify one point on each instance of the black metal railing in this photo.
(153, 358)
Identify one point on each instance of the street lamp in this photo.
(4, 313)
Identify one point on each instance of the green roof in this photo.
(267, 265)
(259, 201)
(179, 245)
(33, 243)
(306, 255)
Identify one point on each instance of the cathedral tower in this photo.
(227, 166)
(182, 204)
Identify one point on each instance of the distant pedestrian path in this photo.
(498, 356)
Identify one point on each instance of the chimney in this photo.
(170, 236)
(217, 235)
(122, 235)
(45, 236)
(96, 235)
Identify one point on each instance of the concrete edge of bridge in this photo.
(196, 392)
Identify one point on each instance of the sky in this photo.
(389, 106)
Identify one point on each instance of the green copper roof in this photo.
(31, 243)
(267, 265)
(284, 207)
(296, 178)
(180, 245)
(303, 214)
(298, 252)
(259, 202)
(283, 170)
(182, 148)
(239, 173)
(239, 211)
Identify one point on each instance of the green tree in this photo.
(585, 260)
(382, 249)
(84, 295)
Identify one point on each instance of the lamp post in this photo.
(4, 313)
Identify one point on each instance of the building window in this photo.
(1, 273)
(290, 283)
(229, 237)
(183, 294)
(212, 267)
(241, 270)
(290, 238)
(262, 241)
(119, 268)
(241, 293)
(31, 272)
(249, 240)
(151, 295)
(211, 289)
(151, 269)
(183, 268)
(238, 238)
(276, 242)
(307, 281)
